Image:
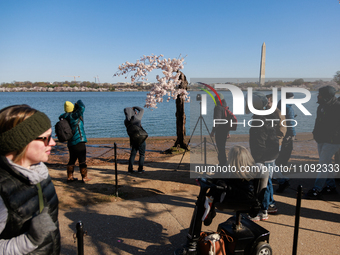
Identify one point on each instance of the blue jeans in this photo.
(326, 152)
(134, 149)
(285, 152)
(268, 198)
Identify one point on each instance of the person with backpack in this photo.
(74, 114)
(221, 131)
(133, 124)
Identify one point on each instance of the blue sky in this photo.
(46, 40)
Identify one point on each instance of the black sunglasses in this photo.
(44, 139)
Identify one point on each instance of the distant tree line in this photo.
(315, 85)
(111, 87)
(72, 84)
(28, 84)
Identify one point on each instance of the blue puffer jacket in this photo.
(73, 118)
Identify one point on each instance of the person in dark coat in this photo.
(133, 116)
(221, 132)
(327, 135)
(74, 114)
(287, 144)
(28, 200)
(264, 148)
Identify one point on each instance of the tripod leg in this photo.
(193, 131)
(210, 134)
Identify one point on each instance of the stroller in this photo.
(247, 236)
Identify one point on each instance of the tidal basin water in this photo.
(104, 115)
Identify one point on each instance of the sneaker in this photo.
(260, 216)
(313, 194)
(131, 172)
(329, 190)
(282, 187)
(272, 209)
(141, 171)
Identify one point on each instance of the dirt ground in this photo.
(101, 169)
(164, 176)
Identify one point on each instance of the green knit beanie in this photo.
(25, 132)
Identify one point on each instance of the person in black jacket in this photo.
(221, 132)
(28, 200)
(264, 147)
(327, 135)
(287, 144)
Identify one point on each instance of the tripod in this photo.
(199, 120)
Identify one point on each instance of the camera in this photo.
(198, 97)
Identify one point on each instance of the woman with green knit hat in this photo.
(28, 200)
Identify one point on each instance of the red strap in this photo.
(226, 111)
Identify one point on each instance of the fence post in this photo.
(297, 219)
(116, 170)
(80, 238)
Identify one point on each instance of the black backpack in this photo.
(137, 134)
(63, 130)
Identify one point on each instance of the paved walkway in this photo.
(158, 225)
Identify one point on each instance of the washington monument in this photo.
(263, 64)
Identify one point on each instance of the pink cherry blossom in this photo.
(166, 85)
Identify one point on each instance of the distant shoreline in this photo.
(4, 90)
(304, 136)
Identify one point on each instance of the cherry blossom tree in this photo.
(172, 85)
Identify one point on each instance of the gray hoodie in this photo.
(133, 116)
